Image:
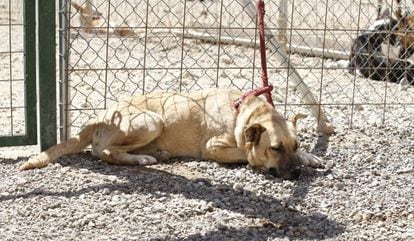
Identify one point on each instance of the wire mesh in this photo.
(12, 107)
(116, 48)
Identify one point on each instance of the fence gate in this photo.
(17, 73)
(20, 39)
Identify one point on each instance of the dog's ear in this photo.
(385, 14)
(252, 135)
(403, 19)
(398, 14)
(77, 6)
(116, 118)
(294, 119)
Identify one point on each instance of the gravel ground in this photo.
(364, 193)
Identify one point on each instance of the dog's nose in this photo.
(273, 171)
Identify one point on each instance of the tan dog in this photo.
(91, 21)
(202, 124)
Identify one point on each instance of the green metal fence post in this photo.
(30, 70)
(47, 72)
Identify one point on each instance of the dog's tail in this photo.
(73, 145)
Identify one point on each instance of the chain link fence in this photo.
(115, 48)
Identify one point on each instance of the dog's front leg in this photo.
(223, 149)
(310, 160)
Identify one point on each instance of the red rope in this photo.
(256, 92)
(266, 88)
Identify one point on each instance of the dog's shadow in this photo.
(321, 145)
(277, 222)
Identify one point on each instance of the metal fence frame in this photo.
(39, 76)
(69, 32)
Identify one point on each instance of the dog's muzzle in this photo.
(292, 175)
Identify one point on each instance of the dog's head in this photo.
(270, 141)
(89, 16)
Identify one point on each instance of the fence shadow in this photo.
(12, 161)
(147, 179)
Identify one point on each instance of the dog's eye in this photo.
(277, 148)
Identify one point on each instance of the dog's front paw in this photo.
(146, 160)
(310, 160)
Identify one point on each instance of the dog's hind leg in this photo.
(73, 145)
(113, 156)
(135, 130)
